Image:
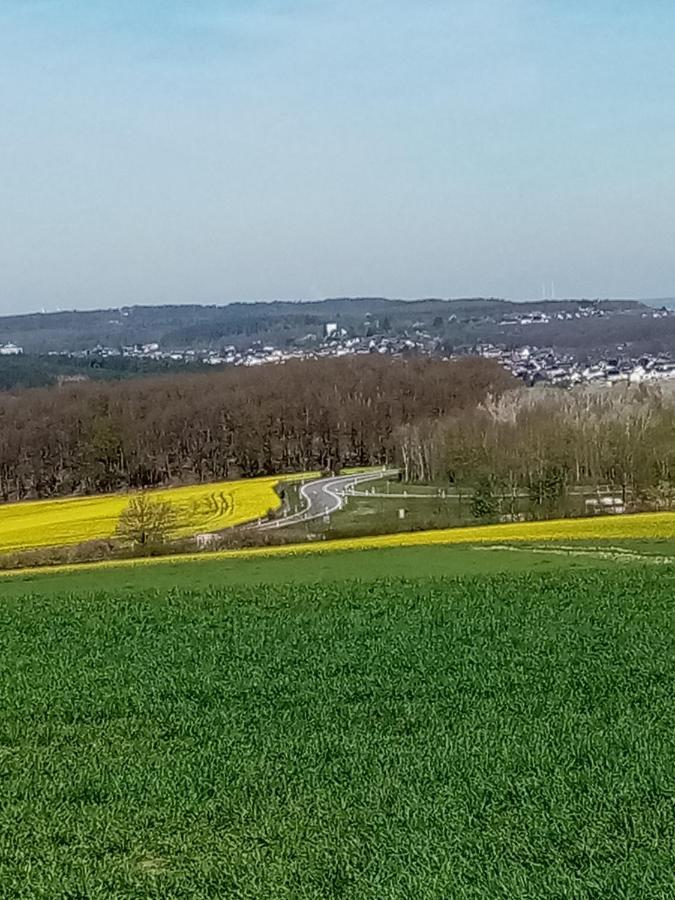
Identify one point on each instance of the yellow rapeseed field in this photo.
(201, 508)
(643, 526)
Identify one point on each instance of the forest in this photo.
(465, 422)
(43, 370)
(85, 438)
(543, 443)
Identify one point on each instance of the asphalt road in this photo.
(323, 497)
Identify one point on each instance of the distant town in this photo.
(533, 363)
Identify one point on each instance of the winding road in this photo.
(324, 496)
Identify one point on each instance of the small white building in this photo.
(599, 505)
(10, 349)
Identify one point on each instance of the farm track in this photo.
(616, 554)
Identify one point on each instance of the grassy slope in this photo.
(498, 737)
(366, 565)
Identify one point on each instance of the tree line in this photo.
(544, 442)
(43, 370)
(238, 422)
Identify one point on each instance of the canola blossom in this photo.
(200, 508)
(641, 526)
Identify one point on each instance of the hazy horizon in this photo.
(215, 152)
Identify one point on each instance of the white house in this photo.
(10, 350)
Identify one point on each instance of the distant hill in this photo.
(281, 323)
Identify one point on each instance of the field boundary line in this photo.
(617, 554)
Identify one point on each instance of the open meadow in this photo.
(471, 712)
(303, 565)
(508, 735)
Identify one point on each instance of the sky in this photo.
(207, 151)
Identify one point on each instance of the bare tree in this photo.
(147, 522)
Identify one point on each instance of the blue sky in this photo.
(204, 151)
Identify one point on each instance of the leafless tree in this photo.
(147, 522)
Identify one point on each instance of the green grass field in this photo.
(366, 565)
(508, 735)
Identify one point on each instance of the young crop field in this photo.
(200, 508)
(205, 572)
(505, 736)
